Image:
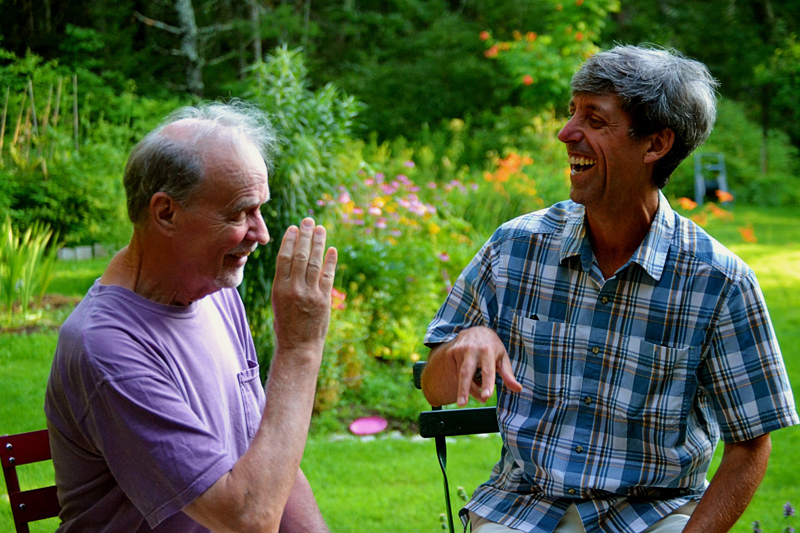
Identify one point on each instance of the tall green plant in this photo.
(26, 264)
(314, 127)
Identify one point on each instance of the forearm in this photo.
(252, 496)
(730, 491)
(301, 514)
(440, 377)
(262, 479)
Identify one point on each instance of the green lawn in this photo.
(394, 484)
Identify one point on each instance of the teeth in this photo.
(582, 161)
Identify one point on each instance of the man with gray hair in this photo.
(623, 339)
(157, 416)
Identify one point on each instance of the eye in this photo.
(595, 122)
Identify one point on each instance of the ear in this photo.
(163, 211)
(660, 144)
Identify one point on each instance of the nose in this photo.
(258, 230)
(570, 133)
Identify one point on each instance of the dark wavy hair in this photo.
(659, 89)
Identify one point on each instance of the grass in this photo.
(394, 484)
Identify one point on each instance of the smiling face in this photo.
(222, 224)
(608, 168)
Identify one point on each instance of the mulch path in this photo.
(55, 308)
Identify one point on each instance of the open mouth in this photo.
(579, 164)
(239, 255)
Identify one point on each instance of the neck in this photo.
(132, 269)
(616, 234)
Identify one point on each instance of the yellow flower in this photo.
(434, 228)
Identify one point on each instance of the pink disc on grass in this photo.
(368, 425)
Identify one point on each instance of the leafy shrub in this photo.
(739, 139)
(314, 127)
(46, 174)
(545, 57)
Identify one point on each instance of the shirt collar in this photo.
(651, 254)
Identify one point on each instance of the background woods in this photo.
(411, 129)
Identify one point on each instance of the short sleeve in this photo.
(159, 451)
(744, 372)
(471, 302)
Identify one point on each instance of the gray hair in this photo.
(164, 162)
(659, 89)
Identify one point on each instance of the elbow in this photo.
(251, 521)
(259, 522)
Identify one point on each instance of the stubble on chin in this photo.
(230, 279)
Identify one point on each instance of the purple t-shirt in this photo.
(147, 406)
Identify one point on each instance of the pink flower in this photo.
(379, 177)
(374, 210)
(413, 188)
(321, 202)
(358, 211)
(402, 178)
(409, 164)
(431, 185)
(369, 181)
(344, 198)
(337, 299)
(444, 257)
(380, 223)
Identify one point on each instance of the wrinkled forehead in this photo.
(601, 102)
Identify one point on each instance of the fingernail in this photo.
(307, 223)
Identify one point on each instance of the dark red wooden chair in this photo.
(27, 505)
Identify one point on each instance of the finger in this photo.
(488, 370)
(283, 265)
(475, 391)
(302, 249)
(315, 257)
(465, 374)
(506, 372)
(328, 270)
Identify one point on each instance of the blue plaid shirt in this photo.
(628, 383)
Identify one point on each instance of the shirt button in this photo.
(588, 400)
(596, 350)
(604, 300)
(571, 492)
(579, 448)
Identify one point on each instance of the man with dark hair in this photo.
(624, 340)
(157, 416)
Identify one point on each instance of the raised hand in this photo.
(301, 291)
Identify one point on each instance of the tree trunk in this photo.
(766, 97)
(189, 46)
(255, 22)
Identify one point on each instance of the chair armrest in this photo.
(452, 422)
(419, 366)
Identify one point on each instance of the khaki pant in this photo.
(571, 523)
